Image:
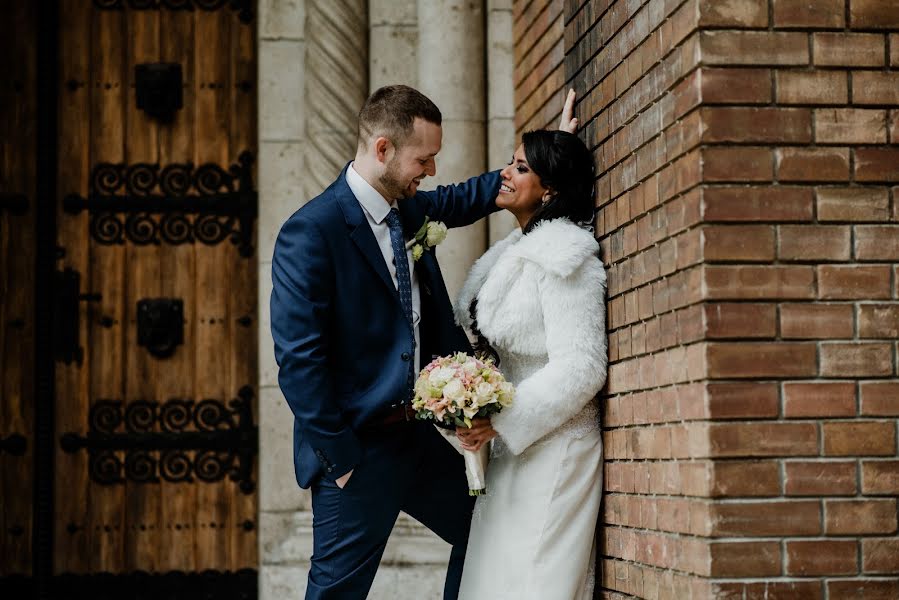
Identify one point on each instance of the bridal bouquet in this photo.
(455, 389)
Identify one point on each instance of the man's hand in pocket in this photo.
(343, 479)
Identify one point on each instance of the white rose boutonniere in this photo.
(429, 235)
(436, 233)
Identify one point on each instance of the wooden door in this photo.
(155, 398)
(18, 88)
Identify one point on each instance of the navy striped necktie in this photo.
(403, 276)
(404, 281)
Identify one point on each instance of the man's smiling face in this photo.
(413, 160)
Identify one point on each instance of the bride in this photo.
(536, 300)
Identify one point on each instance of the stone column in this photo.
(501, 142)
(284, 516)
(304, 140)
(451, 73)
(336, 85)
(393, 43)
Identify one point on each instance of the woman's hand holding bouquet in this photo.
(454, 390)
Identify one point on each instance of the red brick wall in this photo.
(537, 28)
(749, 220)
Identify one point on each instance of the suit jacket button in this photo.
(405, 356)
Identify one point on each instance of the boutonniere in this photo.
(428, 236)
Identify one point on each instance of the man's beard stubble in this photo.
(391, 183)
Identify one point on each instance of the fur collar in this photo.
(558, 246)
(478, 274)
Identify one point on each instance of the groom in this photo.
(354, 318)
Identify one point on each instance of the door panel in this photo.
(18, 89)
(149, 435)
(75, 116)
(142, 279)
(214, 322)
(179, 272)
(107, 352)
(155, 452)
(244, 276)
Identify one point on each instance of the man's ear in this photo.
(383, 149)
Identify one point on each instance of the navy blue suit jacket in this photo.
(342, 342)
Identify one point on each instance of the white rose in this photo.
(454, 390)
(417, 251)
(506, 393)
(470, 411)
(436, 233)
(484, 393)
(422, 389)
(439, 377)
(469, 368)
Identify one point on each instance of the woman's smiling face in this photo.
(521, 192)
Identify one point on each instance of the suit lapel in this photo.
(411, 216)
(360, 231)
(424, 268)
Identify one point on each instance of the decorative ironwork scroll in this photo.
(244, 8)
(145, 203)
(178, 441)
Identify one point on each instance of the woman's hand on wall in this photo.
(569, 121)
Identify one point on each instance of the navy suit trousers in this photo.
(405, 467)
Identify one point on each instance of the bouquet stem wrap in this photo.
(456, 389)
(476, 469)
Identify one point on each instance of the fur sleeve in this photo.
(574, 320)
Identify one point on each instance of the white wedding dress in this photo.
(541, 305)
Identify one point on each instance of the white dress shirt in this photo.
(376, 209)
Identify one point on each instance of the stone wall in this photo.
(284, 523)
(748, 218)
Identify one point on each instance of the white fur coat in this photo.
(541, 297)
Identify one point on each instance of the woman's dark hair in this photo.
(565, 165)
(481, 347)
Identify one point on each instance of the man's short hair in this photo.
(391, 110)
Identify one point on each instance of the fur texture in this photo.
(542, 296)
